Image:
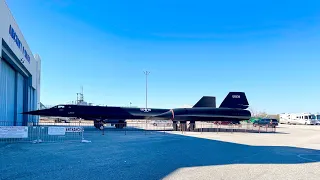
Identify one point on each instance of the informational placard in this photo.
(13, 132)
(74, 129)
(56, 131)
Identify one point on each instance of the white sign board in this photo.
(74, 129)
(56, 130)
(13, 132)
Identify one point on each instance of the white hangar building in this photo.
(19, 73)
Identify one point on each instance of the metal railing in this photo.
(199, 127)
(40, 133)
(51, 131)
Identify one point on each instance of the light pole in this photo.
(146, 73)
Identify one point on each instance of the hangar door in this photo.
(7, 94)
(20, 98)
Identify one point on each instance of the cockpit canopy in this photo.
(60, 107)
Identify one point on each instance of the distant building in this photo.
(19, 73)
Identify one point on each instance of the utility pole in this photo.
(146, 73)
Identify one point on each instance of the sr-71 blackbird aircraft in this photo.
(233, 108)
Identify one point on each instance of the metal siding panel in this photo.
(3, 97)
(30, 106)
(11, 93)
(20, 98)
(7, 94)
(36, 118)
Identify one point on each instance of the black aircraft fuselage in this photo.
(99, 113)
(104, 113)
(233, 108)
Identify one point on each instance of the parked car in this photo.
(266, 122)
(254, 119)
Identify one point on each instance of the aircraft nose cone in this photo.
(29, 112)
(32, 112)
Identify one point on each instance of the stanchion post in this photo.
(164, 128)
(38, 136)
(82, 134)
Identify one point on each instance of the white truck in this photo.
(298, 118)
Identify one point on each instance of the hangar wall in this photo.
(19, 73)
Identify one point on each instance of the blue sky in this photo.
(268, 49)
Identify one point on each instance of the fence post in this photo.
(38, 136)
(164, 128)
(247, 127)
(82, 134)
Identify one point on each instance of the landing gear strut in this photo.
(183, 125)
(175, 126)
(121, 125)
(99, 125)
(192, 125)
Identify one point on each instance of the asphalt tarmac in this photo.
(293, 152)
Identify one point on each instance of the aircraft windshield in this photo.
(59, 106)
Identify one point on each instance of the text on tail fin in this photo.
(235, 100)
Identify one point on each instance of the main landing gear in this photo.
(192, 125)
(99, 125)
(184, 126)
(175, 125)
(121, 125)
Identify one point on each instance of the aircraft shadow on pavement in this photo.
(161, 154)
